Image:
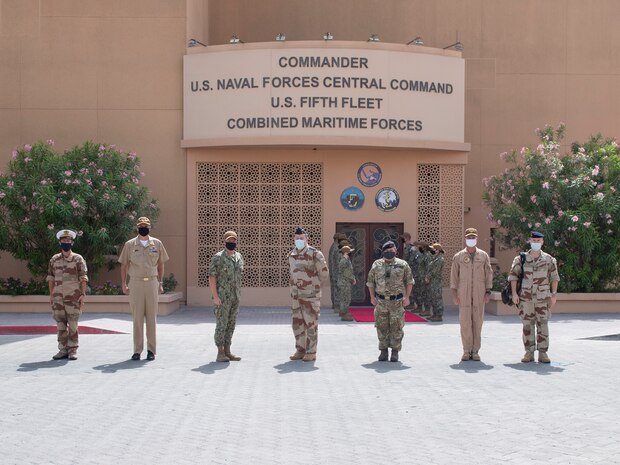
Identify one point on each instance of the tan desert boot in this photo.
(528, 357)
(221, 355)
(475, 357)
(232, 357)
(466, 356)
(543, 357)
(297, 355)
(309, 358)
(60, 355)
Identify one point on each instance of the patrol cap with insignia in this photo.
(66, 233)
(300, 230)
(229, 235)
(471, 232)
(388, 245)
(143, 220)
(537, 234)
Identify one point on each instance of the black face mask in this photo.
(144, 231)
(231, 245)
(66, 246)
(389, 255)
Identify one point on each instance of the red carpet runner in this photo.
(366, 315)
(25, 330)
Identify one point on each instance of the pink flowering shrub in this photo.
(92, 189)
(572, 198)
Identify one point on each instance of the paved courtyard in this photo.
(346, 408)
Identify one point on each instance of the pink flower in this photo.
(587, 224)
(10, 184)
(14, 154)
(499, 222)
(612, 188)
(560, 213)
(548, 220)
(27, 159)
(503, 155)
(582, 150)
(537, 225)
(545, 185)
(529, 225)
(610, 221)
(101, 148)
(2, 195)
(533, 198)
(67, 181)
(104, 183)
(600, 196)
(607, 215)
(99, 172)
(595, 170)
(68, 173)
(523, 150)
(556, 243)
(575, 218)
(50, 142)
(609, 231)
(27, 147)
(50, 226)
(74, 203)
(106, 196)
(132, 155)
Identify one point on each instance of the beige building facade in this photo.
(117, 72)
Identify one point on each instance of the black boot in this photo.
(383, 356)
(394, 357)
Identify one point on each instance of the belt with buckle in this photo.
(148, 278)
(389, 297)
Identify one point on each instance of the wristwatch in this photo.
(488, 291)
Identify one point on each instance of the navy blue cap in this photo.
(388, 245)
(300, 230)
(537, 234)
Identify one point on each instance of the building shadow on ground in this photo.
(538, 368)
(471, 366)
(124, 365)
(385, 367)
(295, 366)
(211, 367)
(33, 366)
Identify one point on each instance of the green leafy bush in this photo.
(15, 286)
(574, 199)
(93, 189)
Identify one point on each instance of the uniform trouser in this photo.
(535, 317)
(422, 294)
(143, 301)
(305, 315)
(390, 321)
(471, 317)
(344, 298)
(333, 291)
(225, 321)
(66, 313)
(437, 300)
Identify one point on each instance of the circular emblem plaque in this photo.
(369, 174)
(387, 199)
(352, 198)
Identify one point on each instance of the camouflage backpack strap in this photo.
(520, 282)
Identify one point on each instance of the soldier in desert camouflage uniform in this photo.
(308, 271)
(333, 259)
(537, 296)
(346, 280)
(225, 272)
(389, 282)
(67, 278)
(435, 282)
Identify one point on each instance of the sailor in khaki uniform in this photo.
(142, 260)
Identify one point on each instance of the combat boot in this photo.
(543, 357)
(297, 355)
(436, 318)
(383, 356)
(232, 357)
(309, 357)
(475, 357)
(466, 356)
(221, 355)
(346, 316)
(425, 313)
(528, 357)
(394, 356)
(60, 355)
(72, 355)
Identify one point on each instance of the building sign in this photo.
(336, 96)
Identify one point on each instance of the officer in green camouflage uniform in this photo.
(389, 282)
(435, 282)
(537, 296)
(424, 284)
(346, 280)
(412, 256)
(333, 259)
(67, 276)
(225, 273)
(308, 271)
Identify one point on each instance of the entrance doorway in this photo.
(367, 239)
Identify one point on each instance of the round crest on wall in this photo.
(369, 174)
(352, 198)
(387, 199)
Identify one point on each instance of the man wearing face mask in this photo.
(67, 278)
(471, 280)
(142, 260)
(389, 283)
(538, 294)
(308, 271)
(225, 273)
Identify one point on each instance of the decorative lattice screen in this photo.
(440, 208)
(263, 203)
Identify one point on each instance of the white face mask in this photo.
(536, 246)
(300, 244)
(471, 242)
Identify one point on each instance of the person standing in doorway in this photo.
(308, 271)
(142, 261)
(225, 273)
(435, 272)
(67, 276)
(333, 259)
(345, 282)
(471, 280)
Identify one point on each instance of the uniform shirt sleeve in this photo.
(488, 271)
(553, 271)
(163, 255)
(408, 275)
(515, 269)
(214, 265)
(321, 266)
(123, 258)
(82, 270)
(371, 279)
(50, 271)
(454, 272)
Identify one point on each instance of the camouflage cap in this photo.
(471, 232)
(143, 220)
(229, 235)
(437, 246)
(66, 233)
(346, 249)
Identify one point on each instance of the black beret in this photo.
(388, 245)
(300, 230)
(537, 234)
